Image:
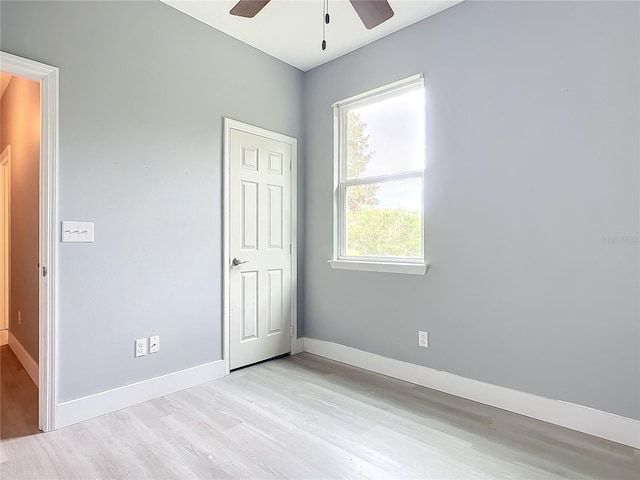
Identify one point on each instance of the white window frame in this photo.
(341, 261)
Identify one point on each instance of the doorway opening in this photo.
(20, 120)
(28, 218)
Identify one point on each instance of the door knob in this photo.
(235, 262)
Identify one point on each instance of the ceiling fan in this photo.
(371, 12)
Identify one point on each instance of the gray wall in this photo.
(143, 91)
(532, 212)
(20, 128)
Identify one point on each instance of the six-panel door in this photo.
(260, 244)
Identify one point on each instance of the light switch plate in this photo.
(77, 232)
(154, 344)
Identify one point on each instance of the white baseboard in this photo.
(298, 346)
(570, 415)
(27, 361)
(4, 337)
(91, 406)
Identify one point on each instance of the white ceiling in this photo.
(291, 30)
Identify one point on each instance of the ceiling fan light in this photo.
(248, 8)
(372, 12)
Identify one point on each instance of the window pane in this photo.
(384, 219)
(386, 136)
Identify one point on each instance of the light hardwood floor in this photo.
(306, 417)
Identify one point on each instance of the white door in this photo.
(259, 249)
(5, 200)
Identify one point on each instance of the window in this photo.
(379, 177)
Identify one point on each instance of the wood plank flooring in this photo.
(306, 417)
(18, 398)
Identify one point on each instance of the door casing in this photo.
(230, 124)
(5, 274)
(47, 76)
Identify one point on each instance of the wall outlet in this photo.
(423, 339)
(19, 317)
(154, 344)
(141, 347)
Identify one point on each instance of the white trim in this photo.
(298, 346)
(5, 162)
(382, 267)
(91, 406)
(49, 91)
(230, 124)
(337, 216)
(375, 93)
(294, 243)
(27, 361)
(569, 415)
(226, 242)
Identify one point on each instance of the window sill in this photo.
(382, 267)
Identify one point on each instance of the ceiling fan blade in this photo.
(248, 8)
(372, 12)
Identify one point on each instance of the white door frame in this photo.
(229, 125)
(5, 274)
(47, 76)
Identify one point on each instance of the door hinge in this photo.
(291, 330)
(290, 249)
(44, 271)
(290, 163)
